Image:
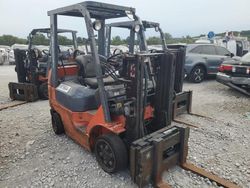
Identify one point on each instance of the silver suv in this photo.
(203, 60)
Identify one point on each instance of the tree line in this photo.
(41, 39)
(38, 39)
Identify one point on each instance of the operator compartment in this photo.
(87, 72)
(80, 93)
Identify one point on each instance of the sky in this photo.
(177, 17)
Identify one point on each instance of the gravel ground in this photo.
(7, 74)
(31, 155)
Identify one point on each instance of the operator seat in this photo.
(87, 71)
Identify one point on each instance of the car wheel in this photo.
(197, 75)
(57, 124)
(111, 153)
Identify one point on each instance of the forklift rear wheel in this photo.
(57, 124)
(111, 153)
(43, 91)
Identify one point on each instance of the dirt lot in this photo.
(31, 155)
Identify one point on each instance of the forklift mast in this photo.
(151, 85)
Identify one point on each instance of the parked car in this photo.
(3, 56)
(11, 53)
(4, 51)
(236, 45)
(236, 74)
(203, 60)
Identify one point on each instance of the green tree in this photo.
(168, 36)
(10, 40)
(62, 40)
(187, 40)
(117, 40)
(40, 39)
(79, 41)
(153, 41)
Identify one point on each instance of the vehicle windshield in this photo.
(246, 58)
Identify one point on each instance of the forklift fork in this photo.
(23, 91)
(183, 104)
(151, 155)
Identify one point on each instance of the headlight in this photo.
(137, 28)
(97, 25)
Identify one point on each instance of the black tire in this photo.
(111, 153)
(57, 124)
(43, 91)
(198, 74)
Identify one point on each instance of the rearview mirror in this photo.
(229, 54)
(156, 28)
(129, 14)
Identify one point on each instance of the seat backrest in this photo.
(87, 67)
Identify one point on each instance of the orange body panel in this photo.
(42, 78)
(92, 121)
(67, 70)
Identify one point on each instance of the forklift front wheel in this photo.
(57, 124)
(111, 153)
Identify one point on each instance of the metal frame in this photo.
(127, 25)
(47, 31)
(88, 10)
(148, 24)
(144, 25)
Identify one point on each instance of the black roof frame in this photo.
(142, 39)
(47, 31)
(96, 10)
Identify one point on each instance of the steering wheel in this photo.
(46, 52)
(114, 52)
(153, 50)
(34, 53)
(77, 53)
(115, 55)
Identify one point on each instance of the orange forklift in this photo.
(119, 107)
(32, 65)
